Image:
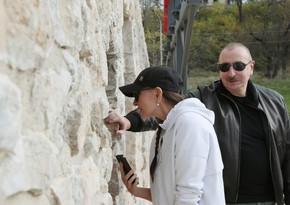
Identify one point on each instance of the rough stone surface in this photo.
(61, 63)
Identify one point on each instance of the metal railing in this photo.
(181, 14)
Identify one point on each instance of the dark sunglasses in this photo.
(137, 94)
(238, 66)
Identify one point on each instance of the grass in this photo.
(280, 85)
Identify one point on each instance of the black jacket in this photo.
(227, 126)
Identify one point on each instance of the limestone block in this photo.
(105, 199)
(104, 161)
(67, 16)
(10, 114)
(31, 168)
(63, 62)
(3, 36)
(26, 198)
(129, 9)
(62, 190)
(29, 33)
(83, 183)
(92, 145)
(49, 94)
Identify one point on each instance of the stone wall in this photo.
(61, 62)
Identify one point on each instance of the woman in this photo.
(186, 165)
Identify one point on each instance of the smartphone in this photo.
(126, 165)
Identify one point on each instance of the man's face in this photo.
(236, 81)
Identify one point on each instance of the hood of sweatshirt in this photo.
(188, 105)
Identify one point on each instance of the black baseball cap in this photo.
(156, 76)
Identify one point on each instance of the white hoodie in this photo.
(189, 166)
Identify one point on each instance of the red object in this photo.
(165, 16)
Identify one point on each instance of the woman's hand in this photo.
(130, 180)
(115, 117)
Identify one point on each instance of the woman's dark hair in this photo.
(173, 98)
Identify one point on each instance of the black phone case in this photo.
(126, 165)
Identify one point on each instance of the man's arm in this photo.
(131, 122)
(140, 125)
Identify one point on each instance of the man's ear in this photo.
(252, 67)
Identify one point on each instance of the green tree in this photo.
(264, 29)
(153, 28)
(214, 27)
(268, 24)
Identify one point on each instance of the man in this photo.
(253, 130)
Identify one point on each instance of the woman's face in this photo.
(147, 102)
